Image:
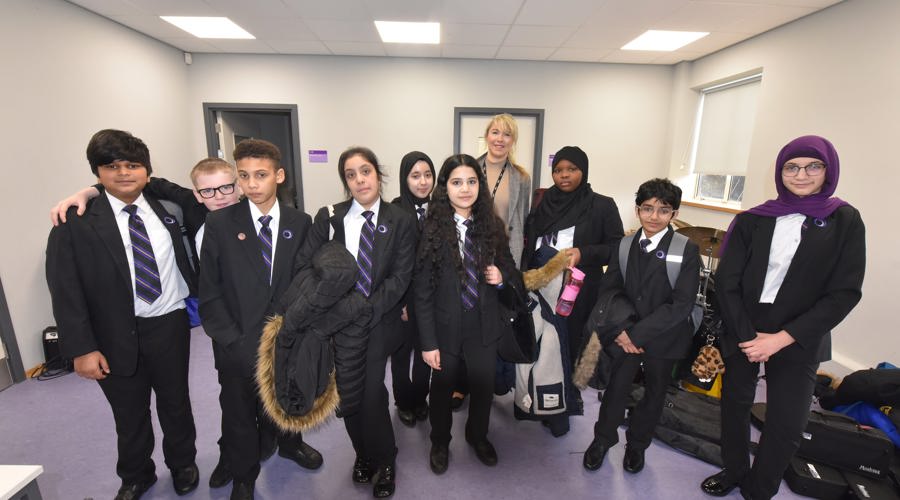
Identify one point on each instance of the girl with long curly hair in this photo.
(463, 259)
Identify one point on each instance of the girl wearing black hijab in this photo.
(416, 183)
(571, 216)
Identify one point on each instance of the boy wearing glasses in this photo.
(118, 278)
(660, 333)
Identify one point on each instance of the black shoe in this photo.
(384, 482)
(407, 417)
(719, 485)
(634, 460)
(362, 471)
(133, 491)
(594, 455)
(422, 412)
(456, 402)
(185, 479)
(221, 475)
(484, 450)
(304, 455)
(242, 490)
(439, 458)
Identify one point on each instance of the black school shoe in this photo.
(362, 471)
(407, 417)
(634, 460)
(594, 455)
(133, 491)
(384, 481)
(185, 479)
(719, 485)
(439, 458)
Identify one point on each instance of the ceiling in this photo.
(536, 30)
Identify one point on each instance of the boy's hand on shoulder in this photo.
(79, 199)
(92, 365)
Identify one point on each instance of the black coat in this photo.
(823, 283)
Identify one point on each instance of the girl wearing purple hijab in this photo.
(791, 270)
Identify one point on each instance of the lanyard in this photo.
(502, 171)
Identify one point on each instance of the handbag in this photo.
(517, 342)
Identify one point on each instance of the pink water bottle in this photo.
(567, 298)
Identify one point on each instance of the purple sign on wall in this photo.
(318, 156)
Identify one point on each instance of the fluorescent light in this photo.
(209, 27)
(402, 32)
(665, 41)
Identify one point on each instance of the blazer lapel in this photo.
(384, 231)
(104, 222)
(248, 240)
(812, 237)
(760, 248)
(287, 242)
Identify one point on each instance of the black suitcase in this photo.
(815, 480)
(838, 440)
(865, 488)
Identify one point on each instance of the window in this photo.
(721, 139)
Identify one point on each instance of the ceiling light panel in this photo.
(664, 41)
(404, 32)
(209, 27)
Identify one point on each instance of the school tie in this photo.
(265, 237)
(147, 285)
(470, 287)
(644, 244)
(365, 254)
(549, 239)
(421, 212)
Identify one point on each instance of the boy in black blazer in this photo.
(248, 257)
(118, 278)
(659, 337)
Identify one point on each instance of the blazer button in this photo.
(638, 298)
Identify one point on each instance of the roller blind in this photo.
(727, 115)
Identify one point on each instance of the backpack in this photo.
(673, 267)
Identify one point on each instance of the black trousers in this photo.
(370, 429)
(164, 347)
(410, 391)
(480, 361)
(246, 428)
(657, 376)
(789, 390)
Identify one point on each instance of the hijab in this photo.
(560, 210)
(819, 205)
(407, 198)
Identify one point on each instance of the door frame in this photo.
(10, 344)
(212, 137)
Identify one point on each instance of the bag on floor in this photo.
(838, 440)
(816, 480)
(866, 488)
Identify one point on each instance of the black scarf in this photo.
(408, 200)
(558, 210)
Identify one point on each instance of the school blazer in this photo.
(822, 285)
(235, 294)
(663, 329)
(395, 251)
(439, 305)
(90, 283)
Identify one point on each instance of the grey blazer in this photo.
(519, 205)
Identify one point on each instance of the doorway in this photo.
(11, 369)
(229, 123)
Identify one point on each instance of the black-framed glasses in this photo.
(116, 165)
(814, 169)
(647, 210)
(225, 189)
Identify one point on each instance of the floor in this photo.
(65, 425)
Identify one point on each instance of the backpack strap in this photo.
(624, 246)
(676, 248)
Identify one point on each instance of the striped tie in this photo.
(470, 287)
(550, 239)
(644, 244)
(265, 237)
(147, 285)
(421, 212)
(365, 254)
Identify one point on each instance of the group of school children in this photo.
(432, 266)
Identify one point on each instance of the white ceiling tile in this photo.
(469, 51)
(631, 57)
(176, 7)
(152, 26)
(762, 20)
(582, 55)
(331, 9)
(594, 37)
(703, 17)
(677, 56)
(190, 44)
(285, 28)
(473, 34)
(557, 12)
(404, 10)
(412, 50)
(355, 48)
(110, 7)
(715, 41)
(530, 53)
(344, 31)
(480, 11)
(298, 46)
(234, 9)
(241, 46)
(538, 36)
(634, 12)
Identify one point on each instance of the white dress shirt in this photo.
(654, 240)
(275, 213)
(353, 223)
(785, 240)
(565, 238)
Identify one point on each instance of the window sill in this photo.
(716, 207)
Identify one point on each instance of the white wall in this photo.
(66, 74)
(617, 113)
(834, 74)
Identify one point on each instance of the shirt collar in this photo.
(274, 212)
(356, 209)
(117, 204)
(656, 238)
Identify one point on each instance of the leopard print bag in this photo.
(708, 363)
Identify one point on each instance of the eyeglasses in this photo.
(225, 189)
(648, 210)
(116, 165)
(813, 169)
